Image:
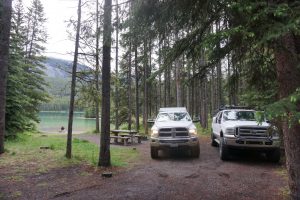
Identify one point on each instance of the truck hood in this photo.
(244, 123)
(173, 124)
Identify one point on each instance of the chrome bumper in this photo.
(174, 142)
(243, 142)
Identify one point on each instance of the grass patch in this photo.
(16, 194)
(204, 131)
(15, 178)
(282, 172)
(285, 192)
(24, 154)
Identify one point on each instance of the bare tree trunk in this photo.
(219, 76)
(188, 89)
(5, 24)
(117, 70)
(193, 91)
(137, 108)
(104, 157)
(129, 89)
(288, 74)
(169, 85)
(165, 84)
(159, 77)
(228, 80)
(97, 68)
(145, 88)
(178, 78)
(149, 86)
(73, 85)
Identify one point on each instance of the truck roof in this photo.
(173, 109)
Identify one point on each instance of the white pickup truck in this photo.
(236, 128)
(174, 128)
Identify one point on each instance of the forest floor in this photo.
(173, 176)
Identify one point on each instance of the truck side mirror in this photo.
(150, 121)
(196, 119)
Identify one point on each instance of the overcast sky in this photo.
(57, 13)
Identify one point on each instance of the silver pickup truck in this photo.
(174, 128)
(237, 128)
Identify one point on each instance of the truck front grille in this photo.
(173, 141)
(248, 131)
(173, 132)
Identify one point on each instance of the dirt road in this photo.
(171, 177)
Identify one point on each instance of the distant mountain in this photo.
(58, 79)
(60, 68)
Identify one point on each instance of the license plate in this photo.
(173, 145)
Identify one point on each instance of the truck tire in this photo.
(274, 156)
(195, 152)
(223, 150)
(154, 153)
(213, 142)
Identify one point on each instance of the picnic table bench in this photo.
(123, 140)
(125, 135)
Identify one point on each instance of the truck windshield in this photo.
(239, 115)
(176, 116)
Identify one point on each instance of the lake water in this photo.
(51, 122)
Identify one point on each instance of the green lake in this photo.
(52, 121)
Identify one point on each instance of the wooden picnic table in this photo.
(123, 133)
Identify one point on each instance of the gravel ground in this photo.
(173, 176)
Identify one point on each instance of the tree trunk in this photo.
(97, 68)
(219, 98)
(104, 157)
(5, 24)
(145, 89)
(117, 70)
(193, 91)
(137, 108)
(288, 74)
(129, 89)
(178, 77)
(149, 86)
(159, 76)
(73, 85)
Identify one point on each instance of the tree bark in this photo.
(73, 85)
(159, 76)
(145, 88)
(104, 157)
(137, 108)
(5, 24)
(288, 74)
(129, 89)
(178, 81)
(97, 68)
(117, 70)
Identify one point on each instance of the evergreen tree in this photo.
(5, 24)
(26, 84)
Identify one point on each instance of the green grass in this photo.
(24, 154)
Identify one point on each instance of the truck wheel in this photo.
(195, 152)
(213, 142)
(223, 150)
(274, 156)
(154, 152)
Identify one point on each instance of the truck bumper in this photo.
(162, 143)
(251, 143)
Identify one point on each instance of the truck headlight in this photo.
(154, 133)
(193, 132)
(229, 131)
